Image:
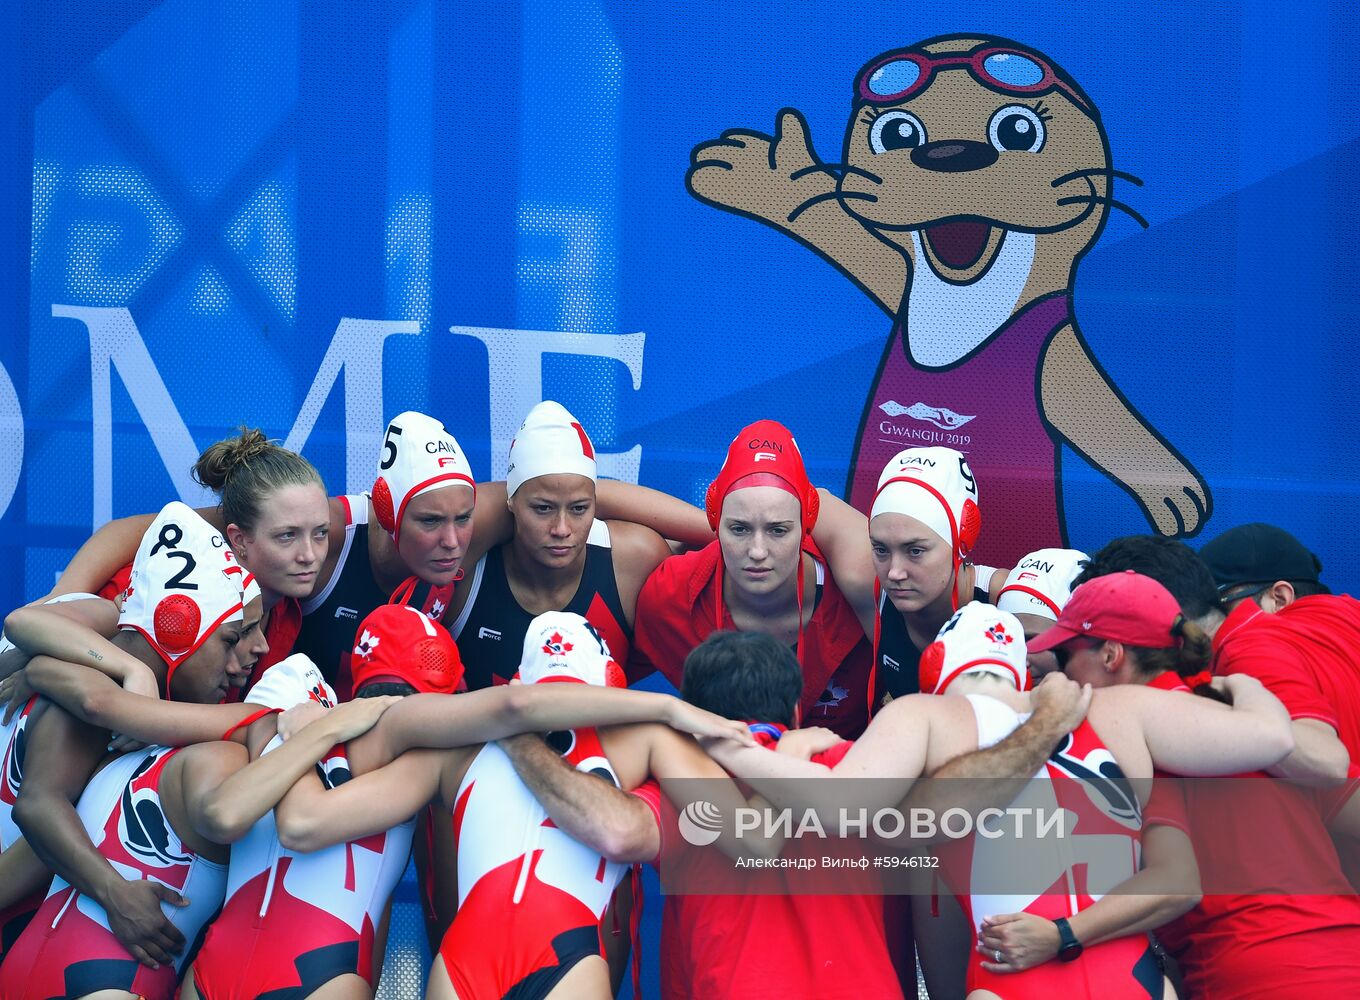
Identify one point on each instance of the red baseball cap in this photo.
(1125, 607)
(401, 644)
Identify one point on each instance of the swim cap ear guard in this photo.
(613, 676)
(175, 623)
(382, 505)
(970, 526)
(763, 454)
(931, 667)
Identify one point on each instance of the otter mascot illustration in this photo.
(976, 175)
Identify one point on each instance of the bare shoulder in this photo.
(637, 543)
(340, 514)
(215, 755)
(196, 772)
(953, 728)
(918, 709)
(918, 718)
(998, 581)
(944, 709)
(649, 749)
(637, 551)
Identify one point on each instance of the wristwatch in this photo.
(1070, 948)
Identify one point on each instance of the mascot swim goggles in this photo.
(901, 75)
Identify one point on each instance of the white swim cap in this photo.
(979, 639)
(185, 583)
(549, 442)
(289, 683)
(1041, 582)
(561, 646)
(936, 487)
(418, 456)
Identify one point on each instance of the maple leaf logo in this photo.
(367, 643)
(555, 644)
(437, 611)
(997, 633)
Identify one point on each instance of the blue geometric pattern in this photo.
(243, 179)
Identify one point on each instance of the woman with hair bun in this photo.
(1126, 628)
(277, 519)
(275, 514)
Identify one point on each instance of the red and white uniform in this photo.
(292, 921)
(1100, 849)
(12, 747)
(68, 949)
(542, 892)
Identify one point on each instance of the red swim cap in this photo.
(400, 644)
(763, 454)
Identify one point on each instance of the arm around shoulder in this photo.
(104, 553)
(668, 516)
(1319, 758)
(311, 817)
(619, 825)
(1190, 735)
(638, 551)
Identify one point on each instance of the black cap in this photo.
(1259, 553)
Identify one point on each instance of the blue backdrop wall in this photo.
(309, 215)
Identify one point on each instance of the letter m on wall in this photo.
(115, 343)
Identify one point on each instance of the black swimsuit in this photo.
(490, 630)
(899, 661)
(330, 618)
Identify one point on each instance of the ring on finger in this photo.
(996, 953)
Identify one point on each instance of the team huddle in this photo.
(227, 731)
